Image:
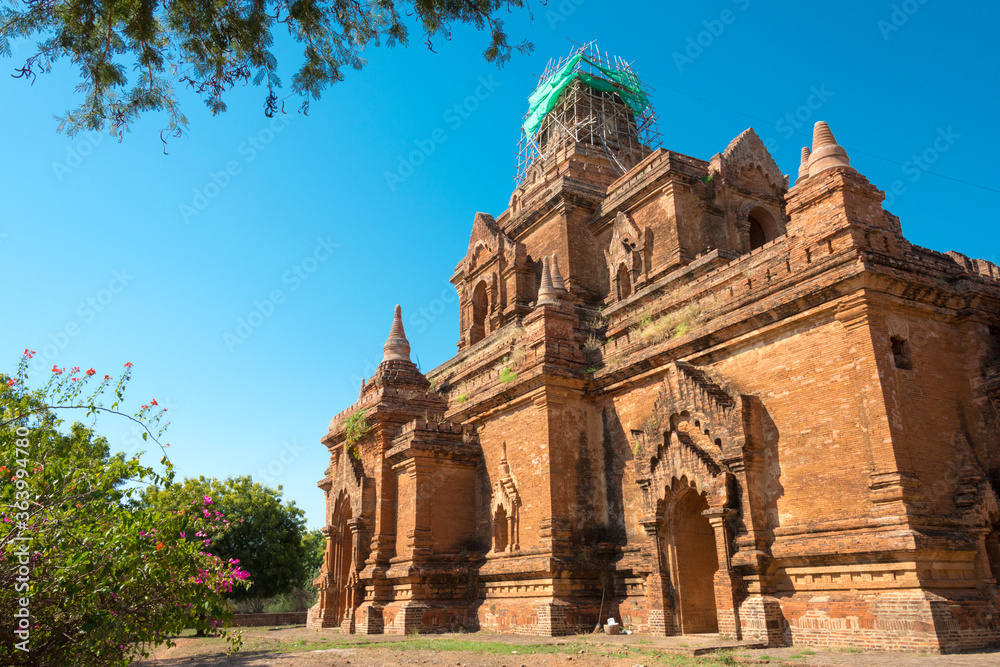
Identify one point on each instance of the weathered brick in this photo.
(753, 409)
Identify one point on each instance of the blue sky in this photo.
(156, 259)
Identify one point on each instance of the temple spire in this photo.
(826, 152)
(557, 280)
(397, 348)
(546, 292)
(803, 166)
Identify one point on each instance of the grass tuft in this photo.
(592, 344)
(507, 375)
(672, 325)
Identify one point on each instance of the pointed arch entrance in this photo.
(698, 463)
(689, 547)
(342, 555)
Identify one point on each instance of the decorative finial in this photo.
(826, 152)
(546, 292)
(803, 166)
(557, 280)
(822, 136)
(504, 466)
(397, 348)
(362, 392)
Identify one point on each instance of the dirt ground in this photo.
(301, 647)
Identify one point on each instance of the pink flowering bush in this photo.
(264, 531)
(105, 577)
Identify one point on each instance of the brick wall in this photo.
(843, 496)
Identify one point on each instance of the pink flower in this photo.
(128, 364)
(11, 382)
(91, 371)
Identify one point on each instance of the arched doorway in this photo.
(692, 559)
(757, 235)
(480, 305)
(342, 537)
(762, 227)
(624, 283)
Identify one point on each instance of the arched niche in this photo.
(762, 227)
(480, 309)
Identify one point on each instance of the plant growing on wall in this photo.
(355, 428)
(507, 375)
(592, 344)
(673, 325)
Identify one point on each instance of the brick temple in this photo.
(697, 396)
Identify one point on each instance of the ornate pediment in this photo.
(625, 248)
(626, 240)
(485, 235)
(486, 243)
(747, 163)
(697, 430)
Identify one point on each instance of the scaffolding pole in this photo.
(585, 114)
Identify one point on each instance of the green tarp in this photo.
(546, 95)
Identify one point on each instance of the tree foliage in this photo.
(87, 577)
(133, 53)
(315, 546)
(265, 534)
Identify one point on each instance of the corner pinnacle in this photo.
(803, 166)
(826, 152)
(557, 280)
